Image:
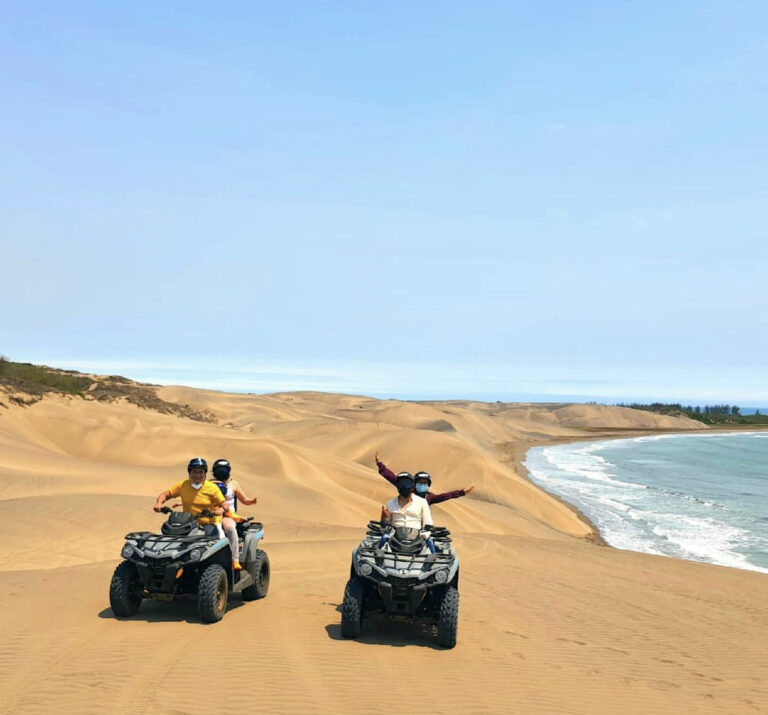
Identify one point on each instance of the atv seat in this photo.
(406, 541)
(244, 526)
(179, 524)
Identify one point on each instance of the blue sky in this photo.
(423, 199)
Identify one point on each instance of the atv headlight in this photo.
(195, 554)
(441, 576)
(127, 551)
(365, 569)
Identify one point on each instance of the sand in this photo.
(550, 622)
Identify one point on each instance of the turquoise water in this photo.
(693, 496)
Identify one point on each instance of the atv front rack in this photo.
(413, 559)
(376, 528)
(149, 536)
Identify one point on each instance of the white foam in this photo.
(583, 463)
(639, 517)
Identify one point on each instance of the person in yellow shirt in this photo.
(197, 494)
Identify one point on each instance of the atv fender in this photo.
(250, 546)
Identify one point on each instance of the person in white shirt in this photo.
(406, 509)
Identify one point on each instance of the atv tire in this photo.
(125, 590)
(212, 594)
(259, 569)
(352, 608)
(448, 618)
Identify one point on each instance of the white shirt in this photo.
(414, 515)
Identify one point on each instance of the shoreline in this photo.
(517, 453)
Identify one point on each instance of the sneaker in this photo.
(236, 566)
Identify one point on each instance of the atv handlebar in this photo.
(207, 513)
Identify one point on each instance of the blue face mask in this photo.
(422, 488)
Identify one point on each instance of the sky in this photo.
(494, 200)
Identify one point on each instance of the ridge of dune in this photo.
(548, 620)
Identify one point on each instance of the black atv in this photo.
(185, 561)
(395, 572)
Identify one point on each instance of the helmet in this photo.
(221, 469)
(419, 486)
(424, 477)
(197, 463)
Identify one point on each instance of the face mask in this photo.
(196, 486)
(422, 488)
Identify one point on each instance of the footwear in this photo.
(236, 566)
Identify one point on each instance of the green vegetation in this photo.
(37, 379)
(29, 383)
(709, 414)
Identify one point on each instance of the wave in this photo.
(634, 510)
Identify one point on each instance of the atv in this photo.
(184, 561)
(407, 574)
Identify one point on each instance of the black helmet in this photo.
(222, 469)
(419, 486)
(423, 476)
(197, 462)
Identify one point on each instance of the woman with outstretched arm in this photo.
(423, 483)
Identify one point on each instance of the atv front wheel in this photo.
(448, 618)
(352, 608)
(212, 594)
(259, 569)
(125, 590)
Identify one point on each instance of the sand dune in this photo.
(549, 622)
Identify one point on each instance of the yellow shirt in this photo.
(195, 500)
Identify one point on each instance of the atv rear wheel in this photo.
(212, 594)
(125, 590)
(352, 608)
(259, 569)
(448, 618)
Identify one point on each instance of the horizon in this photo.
(539, 199)
(328, 381)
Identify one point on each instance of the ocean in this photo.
(702, 497)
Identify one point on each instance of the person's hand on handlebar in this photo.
(161, 499)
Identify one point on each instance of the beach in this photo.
(550, 621)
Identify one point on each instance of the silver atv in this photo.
(185, 561)
(406, 574)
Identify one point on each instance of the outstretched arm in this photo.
(445, 496)
(240, 494)
(385, 471)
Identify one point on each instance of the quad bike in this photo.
(184, 561)
(406, 574)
